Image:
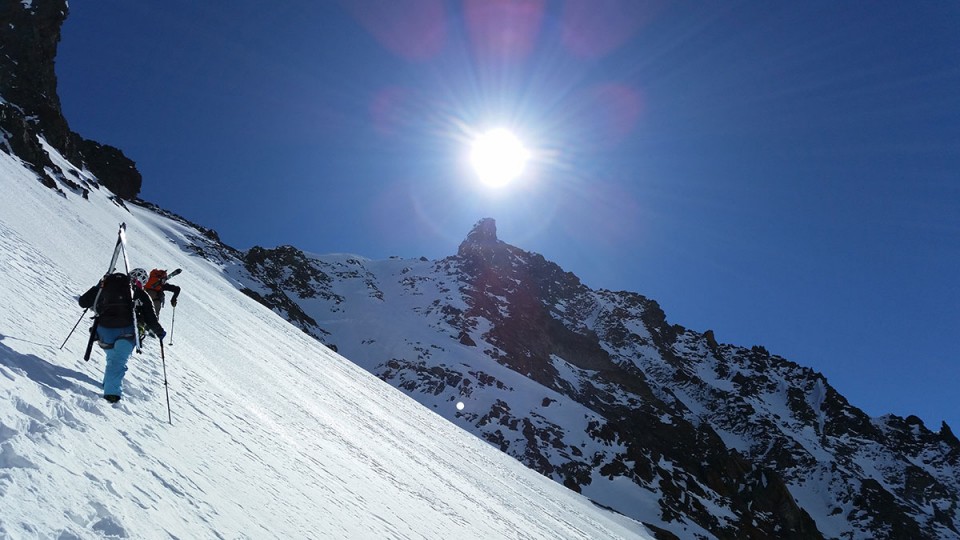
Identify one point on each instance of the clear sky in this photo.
(785, 174)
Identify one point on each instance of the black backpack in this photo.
(115, 305)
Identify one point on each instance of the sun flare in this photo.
(498, 157)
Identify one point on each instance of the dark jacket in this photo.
(172, 288)
(158, 294)
(145, 314)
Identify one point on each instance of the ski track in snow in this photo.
(273, 435)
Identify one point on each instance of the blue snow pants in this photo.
(117, 355)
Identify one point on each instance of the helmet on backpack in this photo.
(140, 275)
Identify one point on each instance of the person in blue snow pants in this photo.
(117, 297)
(121, 340)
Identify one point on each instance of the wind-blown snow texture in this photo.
(273, 435)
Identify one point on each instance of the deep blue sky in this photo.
(786, 174)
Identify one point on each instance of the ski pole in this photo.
(74, 328)
(166, 387)
(173, 319)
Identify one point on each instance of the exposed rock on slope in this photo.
(30, 106)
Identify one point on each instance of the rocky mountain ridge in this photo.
(596, 389)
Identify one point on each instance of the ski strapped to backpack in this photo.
(93, 329)
(158, 278)
(113, 265)
(121, 238)
(112, 293)
(133, 305)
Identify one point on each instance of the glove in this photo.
(173, 302)
(161, 334)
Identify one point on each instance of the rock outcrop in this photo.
(30, 106)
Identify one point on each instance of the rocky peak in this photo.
(484, 232)
(483, 254)
(30, 105)
(948, 437)
(481, 240)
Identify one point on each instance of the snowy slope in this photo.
(418, 352)
(597, 391)
(273, 434)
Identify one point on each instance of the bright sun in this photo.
(498, 157)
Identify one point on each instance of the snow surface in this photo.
(273, 435)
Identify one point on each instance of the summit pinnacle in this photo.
(485, 232)
(480, 239)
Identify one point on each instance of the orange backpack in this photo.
(156, 280)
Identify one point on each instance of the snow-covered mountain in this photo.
(596, 390)
(277, 435)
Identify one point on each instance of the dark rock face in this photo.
(18, 137)
(30, 107)
(287, 269)
(117, 172)
(30, 37)
(791, 421)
